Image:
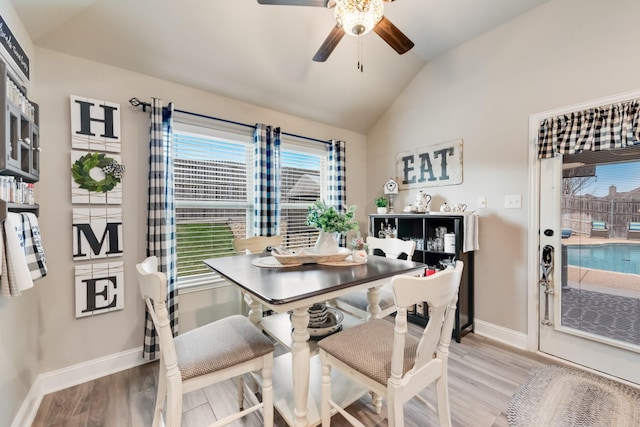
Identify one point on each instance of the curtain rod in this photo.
(137, 103)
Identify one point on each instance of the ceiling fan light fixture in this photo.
(358, 17)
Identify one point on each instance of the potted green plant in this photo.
(331, 223)
(381, 204)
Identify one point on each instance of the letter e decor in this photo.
(433, 166)
(99, 288)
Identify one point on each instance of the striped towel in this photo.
(33, 250)
(15, 272)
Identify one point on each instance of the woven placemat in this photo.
(565, 397)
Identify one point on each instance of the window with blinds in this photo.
(213, 173)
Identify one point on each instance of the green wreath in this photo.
(81, 171)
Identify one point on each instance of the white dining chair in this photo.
(224, 349)
(254, 245)
(384, 357)
(357, 302)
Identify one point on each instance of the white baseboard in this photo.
(73, 375)
(500, 333)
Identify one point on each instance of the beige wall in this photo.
(68, 340)
(561, 53)
(19, 317)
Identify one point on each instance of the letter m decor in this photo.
(97, 233)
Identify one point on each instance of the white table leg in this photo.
(300, 355)
(255, 310)
(373, 295)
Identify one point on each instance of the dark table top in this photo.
(278, 286)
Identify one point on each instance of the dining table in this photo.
(289, 291)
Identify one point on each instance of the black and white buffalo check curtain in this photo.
(337, 193)
(596, 129)
(161, 221)
(266, 203)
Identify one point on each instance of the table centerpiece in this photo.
(331, 224)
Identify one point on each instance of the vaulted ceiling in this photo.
(262, 54)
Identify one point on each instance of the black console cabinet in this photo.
(422, 227)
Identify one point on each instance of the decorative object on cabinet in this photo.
(391, 189)
(422, 202)
(20, 152)
(381, 204)
(424, 229)
(445, 207)
(433, 166)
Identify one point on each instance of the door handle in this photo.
(546, 267)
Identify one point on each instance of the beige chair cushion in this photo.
(367, 348)
(358, 299)
(219, 345)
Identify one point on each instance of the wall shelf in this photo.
(20, 151)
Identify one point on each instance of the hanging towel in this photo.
(16, 273)
(470, 225)
(34, 252)
(8, 286)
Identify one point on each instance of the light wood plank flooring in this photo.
(483, 375)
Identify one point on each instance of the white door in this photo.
(591, 315)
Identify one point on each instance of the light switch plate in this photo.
(513, 201)
(482, 202)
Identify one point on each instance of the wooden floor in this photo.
(483, 375)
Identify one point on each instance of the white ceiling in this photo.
(262, 54)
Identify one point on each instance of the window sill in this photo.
(198, 284)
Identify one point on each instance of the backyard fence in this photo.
(579, 211)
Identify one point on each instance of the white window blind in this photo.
(302, 183)
(213, 193)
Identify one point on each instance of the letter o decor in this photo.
(112, 170)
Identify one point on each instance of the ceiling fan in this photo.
(353, 17)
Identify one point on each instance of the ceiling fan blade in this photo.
(393, 36)
(329, 44)
(318, 3)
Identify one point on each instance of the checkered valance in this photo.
(595, 129)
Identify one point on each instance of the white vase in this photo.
(382, 210)
(359, 256)
(327, 243)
